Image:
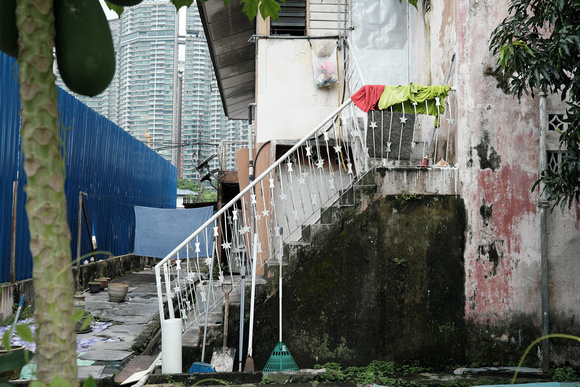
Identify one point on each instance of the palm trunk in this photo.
(46, 206)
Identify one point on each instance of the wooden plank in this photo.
(325, 17)
(325, 25)
(327, 8)
(137, 364)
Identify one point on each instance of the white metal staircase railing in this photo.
(289, 194)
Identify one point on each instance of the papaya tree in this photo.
(538, 51)
(80, 35)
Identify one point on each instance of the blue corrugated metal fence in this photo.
(115, 171)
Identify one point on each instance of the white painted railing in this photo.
(290, 193)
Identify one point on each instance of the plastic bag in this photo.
(325, 69)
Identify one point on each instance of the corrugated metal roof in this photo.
(227, 31)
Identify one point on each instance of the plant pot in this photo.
(117, 292)
(15, 373)
(94, 287)
(104, 281)
(79, 297)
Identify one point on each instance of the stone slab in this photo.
(94, 371)
(102, 354)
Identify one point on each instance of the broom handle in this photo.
(253, 294)
(280, 282)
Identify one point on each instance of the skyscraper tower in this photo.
(164, 92)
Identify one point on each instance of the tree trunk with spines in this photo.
(46, 204)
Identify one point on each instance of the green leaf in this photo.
(5, 383)
(59, 382)
(90, 382)
(25, 333)
(250, 8)
(15, 359)
(86, 323)
(269, 8)
(78, 314)
(114, 7)
(181, 3)
(6, 339)
(412, 2)
(36, 383)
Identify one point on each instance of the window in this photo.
(555, 159)
(556, 124)
(291, 19)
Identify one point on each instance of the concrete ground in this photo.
(123, 337)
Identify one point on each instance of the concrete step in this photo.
(309, 232)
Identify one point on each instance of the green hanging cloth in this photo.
(401, 99)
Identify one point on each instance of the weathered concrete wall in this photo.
(498, 156)
(289, 105)
(385, 285)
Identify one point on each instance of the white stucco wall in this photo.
(289, 105)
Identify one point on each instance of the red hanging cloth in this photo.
(367, 97)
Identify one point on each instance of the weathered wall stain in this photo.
(488, 156)
(387, 285)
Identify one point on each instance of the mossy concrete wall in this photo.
(387, 284)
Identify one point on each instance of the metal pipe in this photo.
(79, 227)
(543, 205)
(13, 233)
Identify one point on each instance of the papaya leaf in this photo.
(250, 8)
(6, 340)
(59, 382)
(412, 2)
(269, 8)
(25, 333)
(15, 359)
(117, 8)
(78, 314)
(181, 3)
(90, 382)
(86, 323)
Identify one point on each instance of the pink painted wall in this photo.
(497, 142)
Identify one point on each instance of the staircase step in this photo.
(353, 195)
(291, 249)
(309, 232)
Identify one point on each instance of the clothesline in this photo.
(408, 99)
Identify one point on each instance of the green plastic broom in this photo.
(280, 360)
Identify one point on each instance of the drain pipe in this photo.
(543, 206)
(243, 273)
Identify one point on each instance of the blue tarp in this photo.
(158, 231)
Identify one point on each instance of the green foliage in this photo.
(565, 374)
(406, 197)
(25, 313)
(376, 371)
(208, 195)
(537, 48)
(181, 3)
(60, 382)
(412, 2)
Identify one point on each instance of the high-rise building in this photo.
(164, 92)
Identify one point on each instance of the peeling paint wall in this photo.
(498, 155)
(495, 146)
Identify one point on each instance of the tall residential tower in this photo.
(164, 92)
